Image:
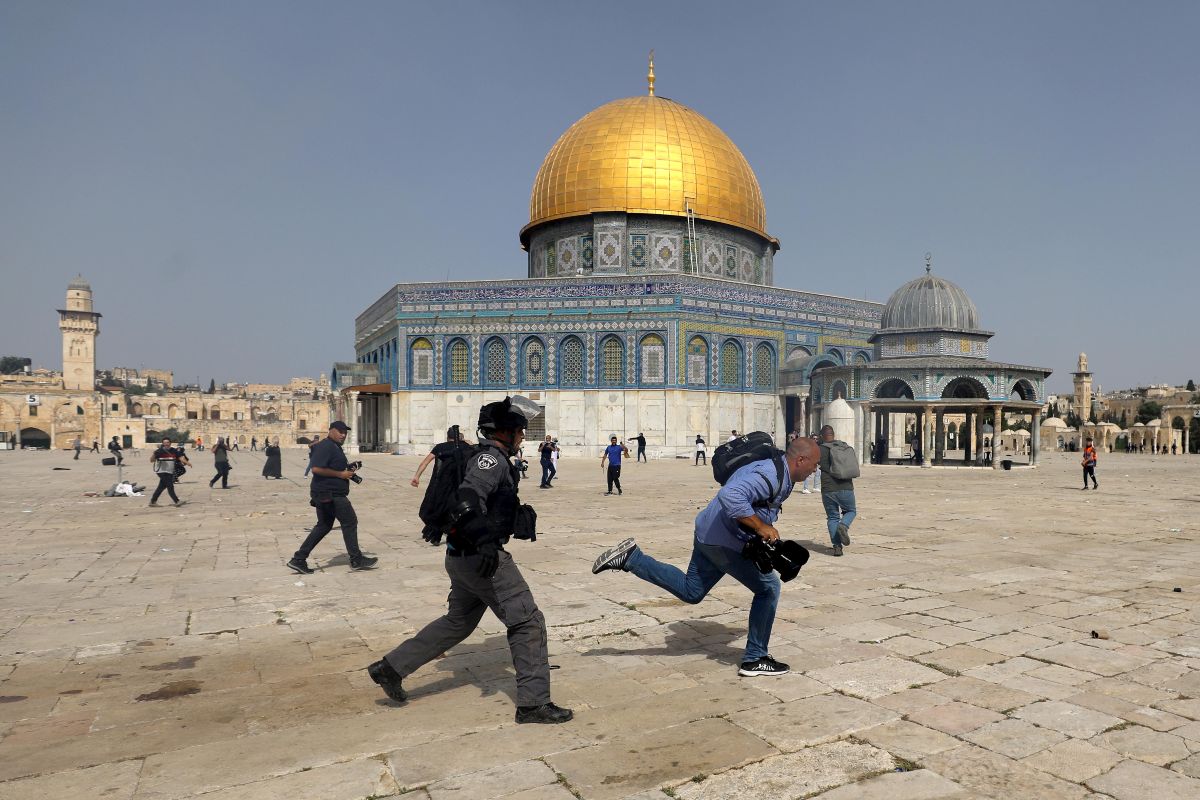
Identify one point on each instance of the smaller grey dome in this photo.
(79, 283)
(930, 302)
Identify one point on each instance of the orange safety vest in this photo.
(1089, 456)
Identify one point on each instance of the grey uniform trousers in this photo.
(508, 596)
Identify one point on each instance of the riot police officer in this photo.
(482, 573)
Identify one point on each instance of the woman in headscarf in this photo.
(274, 466)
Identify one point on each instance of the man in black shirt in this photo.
(330, 491)
(641, 441)
(165, 460)
(115, 449)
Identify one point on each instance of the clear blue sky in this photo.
(239, 180)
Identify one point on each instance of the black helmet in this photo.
(511, 413)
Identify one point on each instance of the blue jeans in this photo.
(709, 564)
(839, 509)
(815, 478)
(548, 471)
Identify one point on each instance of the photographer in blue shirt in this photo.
(746, 506)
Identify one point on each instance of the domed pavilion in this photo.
(930, 394)
(648, 304)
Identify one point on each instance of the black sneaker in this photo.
(388, 679)
(843, 534)
(764, 666)
(300, 565)
(615, 557)
(364, 562)
(547, 714)
(608, 493)
(153, 504)
(837, 549)
(179, 503)
(619, 491)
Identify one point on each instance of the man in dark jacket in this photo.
(483, 575)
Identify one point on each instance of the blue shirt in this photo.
(753, 483)
(613, 451)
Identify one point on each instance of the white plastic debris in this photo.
(1176, 530)
(298, 583)
(165, 549)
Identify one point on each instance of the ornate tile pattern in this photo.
(666, 253)
(711, 258)
(610, 251)
(638, 251)
(586, 253)
(568, 256)
(731, 261)
(747, 272)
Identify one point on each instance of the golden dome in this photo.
(647, 155)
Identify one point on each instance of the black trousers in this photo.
(614, 478)
(1092, 472)
(509, 598)
(222, 475)
(641, 456)
(165, 482)
(342, 511)
(700, 454)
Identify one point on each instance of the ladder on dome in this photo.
(691, 232)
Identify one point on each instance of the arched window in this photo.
(173, 412)
(496, 363)
(731, 364)
(764, 368)
(570, 367)
(612, 362)
(653, 359)
(422, 362)
(535, 363)
(697, 362)
(460, 363)
(154, 409)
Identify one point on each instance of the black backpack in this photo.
(754, 446)
(732, 456)
(441, 494)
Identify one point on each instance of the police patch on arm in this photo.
(486, 461)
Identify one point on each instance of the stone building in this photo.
(931, 379)
(43, 409)
(648, 305)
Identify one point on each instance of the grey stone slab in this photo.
(876, 677)
(920, 784)
(791, 727)
(907, 739)
(1074, 760)
(993, 775)
(640, 761)
(109, 781)
(1073, 720)
(1135, 780)
(794, 775)
(500, 781)
(955, 718)
(1014, 738)
(1153, 747)
(1091, 659)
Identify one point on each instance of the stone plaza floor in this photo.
(168, 653)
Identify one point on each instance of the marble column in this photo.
(926, 439)
(997, 428)
(979, 437)
(864, 453)
(351, 419)
(967, 434)
(1035, 437)
(939, 436)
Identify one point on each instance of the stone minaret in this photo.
(1082, 402)
(80, 326)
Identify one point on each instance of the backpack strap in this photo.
(773, 492)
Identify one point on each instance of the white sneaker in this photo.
(806, 491)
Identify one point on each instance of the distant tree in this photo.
(1092, 417)
(174, 434)
(212, 386)
(316, 395)
(1073, 420)
(1124, 423)
(133, 388)
(10, 365)
(1191, 385)
(1147, 411)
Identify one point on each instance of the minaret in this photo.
(80, 326)
(1082, 402)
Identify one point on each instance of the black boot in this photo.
(388, 679)
(547, 714)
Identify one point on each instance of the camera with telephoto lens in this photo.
(354, 466)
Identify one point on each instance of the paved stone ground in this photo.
(167, 653)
